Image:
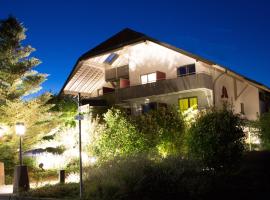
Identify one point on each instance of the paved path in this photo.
(4, 197)
(4, 189)
(5, 192)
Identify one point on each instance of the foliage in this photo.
(19, 80)
(217, 138)
(171, 178)
(67, 107)
(264, 127)
(9, 157)
(164, 130)
(34, 113)
(70, 190)
(17, 77)
(118, 137)
(123, 135)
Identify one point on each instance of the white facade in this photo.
(146, 57)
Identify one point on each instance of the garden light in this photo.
(20, 130)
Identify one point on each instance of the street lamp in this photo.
(21, 179)
(20, 130)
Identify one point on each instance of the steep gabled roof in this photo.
(120, 39)
(128, 36)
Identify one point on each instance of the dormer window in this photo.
(186, 70)
(111, 58)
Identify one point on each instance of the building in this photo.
(140, 73)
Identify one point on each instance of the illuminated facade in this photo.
(140, 73)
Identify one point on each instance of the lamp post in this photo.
(20, 130)
(21, 180)
(80, 117)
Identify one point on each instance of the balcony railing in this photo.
(166, 86)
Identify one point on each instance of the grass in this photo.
(70, 190)
(171, 178)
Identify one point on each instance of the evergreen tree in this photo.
(18, 80)
(17, 77)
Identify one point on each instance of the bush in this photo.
(158, 132)
(264, 127)
(171, 178)
(163, 130)
(216, 138)
(118, 137)
(70, 190)
(9, 158)
(141, 178)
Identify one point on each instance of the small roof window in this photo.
(111, 58)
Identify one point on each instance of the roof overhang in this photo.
(85, 79)
(86, 76)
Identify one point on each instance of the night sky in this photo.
(232, 33)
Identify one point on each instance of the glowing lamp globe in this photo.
(20, 129)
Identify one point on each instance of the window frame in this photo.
(111, 58)
(242, 108)
(188, 102)
(147, 77)
(186, 67)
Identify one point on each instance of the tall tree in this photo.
(17, 77)
(18, 80)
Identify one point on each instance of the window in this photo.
(186, 103)
(242, 108)
(224, 94)
(149, 106)
(111, 58)
(186, 70)
(148, 78)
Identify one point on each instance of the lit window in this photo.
(111, 58)
(152, 77)
(149, 78)
(186, 70)
(144, 79)
(186, 103)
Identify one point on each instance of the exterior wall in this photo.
(149, 57)
(244, 92)
(205, 99)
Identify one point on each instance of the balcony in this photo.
(160, 87)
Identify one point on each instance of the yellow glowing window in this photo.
(187, 103)
(193, 102)
(183, 104)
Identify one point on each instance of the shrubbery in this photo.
(216, 138)
(264, 127)
(171, 178)
(155, 133)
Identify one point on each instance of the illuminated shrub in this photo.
(157, 132)
(118, 137)
(216, 138)
(163, 130)
(264, 127)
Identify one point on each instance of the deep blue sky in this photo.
(235, 33)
